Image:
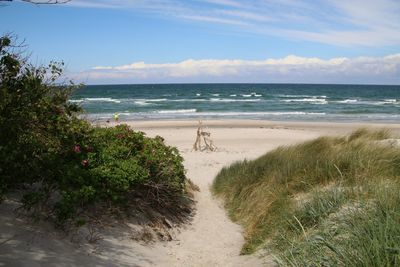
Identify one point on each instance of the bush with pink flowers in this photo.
(62, 163)
(112, 164)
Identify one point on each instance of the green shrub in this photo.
(38, 125)
(113, 163)
(63, 163)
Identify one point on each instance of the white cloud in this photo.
(225, 3)
(251, 16)
(214, 19)
(384, 70)
(335, 22)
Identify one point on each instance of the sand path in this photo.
(212, 239)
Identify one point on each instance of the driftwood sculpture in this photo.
(206, 136)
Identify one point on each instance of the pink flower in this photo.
(120, 135)
(85, 163)
(77, 149)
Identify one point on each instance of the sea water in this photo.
(295, 102)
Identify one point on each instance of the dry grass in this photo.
(349, 209)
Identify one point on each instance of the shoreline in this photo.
(326, 127)
(110, 117)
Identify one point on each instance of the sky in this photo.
(204, 41)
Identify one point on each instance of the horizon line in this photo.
(261, 83)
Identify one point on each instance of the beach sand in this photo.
(211, 239)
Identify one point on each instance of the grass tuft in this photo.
(333, 201)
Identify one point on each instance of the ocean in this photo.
(288, 102)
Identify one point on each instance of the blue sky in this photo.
(155, 41)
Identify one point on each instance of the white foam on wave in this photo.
(233, 100)
(187, 100)
(174, 111)
(385, 102)
(198, 94)
(233, 95)
(304, 96)
(215, 94)
(369, 102)
(307, 100)
(102, 99)
(214, 99)
(347, 101)
(76, 100)
(255, 94)
(156, 100)
(142, 103)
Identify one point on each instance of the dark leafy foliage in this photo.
(61, 161)
(113, 163)
(37, 123)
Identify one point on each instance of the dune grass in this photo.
(333, 201)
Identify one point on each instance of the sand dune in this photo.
(211, 239)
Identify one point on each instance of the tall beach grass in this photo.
(333, 201)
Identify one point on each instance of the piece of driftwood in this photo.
(206, 137)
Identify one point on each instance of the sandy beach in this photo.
(211, 239)
(296, 104)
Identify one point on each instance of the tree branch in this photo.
(38, 2)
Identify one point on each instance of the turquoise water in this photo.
(242, 101)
